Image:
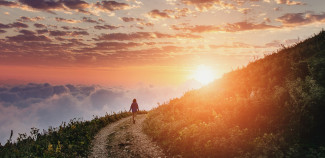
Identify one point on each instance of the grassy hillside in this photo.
(274, 107)
(71, 139)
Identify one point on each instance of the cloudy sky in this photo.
(42, 105)
(96, 56)
(106, 42)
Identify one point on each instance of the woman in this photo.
(134, 107)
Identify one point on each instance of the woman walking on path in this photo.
(134, 107)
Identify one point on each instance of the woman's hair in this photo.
(134, 100)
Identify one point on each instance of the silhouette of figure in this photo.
(134, 107)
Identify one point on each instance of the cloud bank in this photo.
(44, 105)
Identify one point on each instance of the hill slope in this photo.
(274, 107)
(71, 139)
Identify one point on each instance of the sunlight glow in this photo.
(204, 74)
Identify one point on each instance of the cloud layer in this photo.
(94, 33)
(44, 105)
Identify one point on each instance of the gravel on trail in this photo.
(124, 139)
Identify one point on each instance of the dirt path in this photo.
(124, 139)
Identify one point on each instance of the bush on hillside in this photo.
(274, 107)
(71, 139)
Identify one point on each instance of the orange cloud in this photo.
(110, 6)
(28, 19)
(198, 28)
(77, 5)
(106, 27)
(156, 14)
(230, 27)
(289, 2)
(131, 19)
(13, 25)
(296, 19)
(142, 35)
(8, 3)
(204, 5)
(169, 13)
(66, 20)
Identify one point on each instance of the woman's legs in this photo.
(134, 114)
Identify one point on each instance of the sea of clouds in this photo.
(42, 105)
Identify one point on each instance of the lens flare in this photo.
(204, 74)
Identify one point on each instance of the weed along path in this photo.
(124, 139)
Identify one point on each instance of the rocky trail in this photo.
(124, 139)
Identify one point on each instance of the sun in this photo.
(204, 74)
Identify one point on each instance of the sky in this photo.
(154, 41)
(88, 57)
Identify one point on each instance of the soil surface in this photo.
(124, 139)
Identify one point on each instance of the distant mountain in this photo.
(274, 107)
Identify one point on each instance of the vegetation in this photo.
(71, 139)
(274, 107)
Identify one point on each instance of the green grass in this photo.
(71, 139)
(273, 107)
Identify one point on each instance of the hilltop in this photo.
(273, 107)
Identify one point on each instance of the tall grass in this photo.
(71, 139)
(274, 107)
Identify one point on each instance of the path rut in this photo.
(124, 139)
